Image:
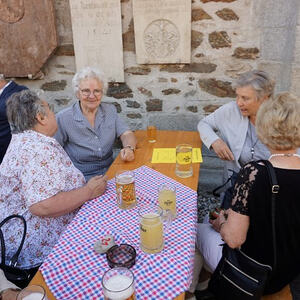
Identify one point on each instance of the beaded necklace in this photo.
(284, 154)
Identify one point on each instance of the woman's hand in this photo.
(222, 150)
(219, 221)
(127, 154)
(97, 185)
(9, 294)
(66, 202)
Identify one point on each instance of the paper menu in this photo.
(168, 155)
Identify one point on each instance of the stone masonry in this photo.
(229, 37)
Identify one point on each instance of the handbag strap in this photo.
(215, 190)
(14, 260)
(274, 191)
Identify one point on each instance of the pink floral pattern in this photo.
(34, 168)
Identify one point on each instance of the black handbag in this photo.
(238, 276)
(20, 277)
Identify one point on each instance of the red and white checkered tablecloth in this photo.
(74, 270)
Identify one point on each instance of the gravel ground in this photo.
(206, 202)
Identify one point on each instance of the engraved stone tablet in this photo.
(97, 36)
(162, 31)
(27, 36)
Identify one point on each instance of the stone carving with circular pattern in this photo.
(11, 11)
(161, 38)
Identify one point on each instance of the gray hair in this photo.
(260, 81)
(2, 77)
(22, 109)
(89, 72)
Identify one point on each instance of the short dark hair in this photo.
(22, 109)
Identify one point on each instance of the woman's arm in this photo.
(207, 128)
(234, 230)
(232, 226)
(66, 202)
(129, 143)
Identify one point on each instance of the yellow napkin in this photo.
(164, 155)
(168, 155)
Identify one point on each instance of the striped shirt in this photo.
(90, 149)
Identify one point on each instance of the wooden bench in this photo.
(284, 294)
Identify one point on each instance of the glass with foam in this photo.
(32, 292)
(125, 188)
(118, 284)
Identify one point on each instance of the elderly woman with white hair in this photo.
(87, 130)
(38, 181)
(230, 130)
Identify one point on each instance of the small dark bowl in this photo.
(121, 256)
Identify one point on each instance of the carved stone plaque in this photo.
(27, 36)
(97, 35)
(162, 31)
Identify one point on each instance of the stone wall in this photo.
(228, 37)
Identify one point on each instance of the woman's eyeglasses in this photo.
(87, 92)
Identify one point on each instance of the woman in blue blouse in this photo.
(87, 130)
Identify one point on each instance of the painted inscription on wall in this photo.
(162, 31)
(97, 35)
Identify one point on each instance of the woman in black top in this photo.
(248, 224)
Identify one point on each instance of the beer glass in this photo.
(118, 284)
(32, 292)
(151, 228)
(151, 133)
(167, 198)
(125, 188)
(184, 166)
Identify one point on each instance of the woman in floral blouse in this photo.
(39, 181)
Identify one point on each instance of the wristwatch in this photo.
(130, 147)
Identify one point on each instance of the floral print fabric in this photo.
(34, 168)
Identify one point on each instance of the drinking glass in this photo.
(151, 228)
(184, 166)
(32, 292)
(118, 284)
(167, 198)
(125, 188)
(151, 133)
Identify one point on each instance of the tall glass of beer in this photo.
(151, 228)
(151, 133)
(167, 198)
(118, 284)
(184, 167)
(125, 188)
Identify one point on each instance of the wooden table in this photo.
(165, 139)
(143, 155)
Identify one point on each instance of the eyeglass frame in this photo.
(88, 92)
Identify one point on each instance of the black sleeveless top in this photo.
(252, 197)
